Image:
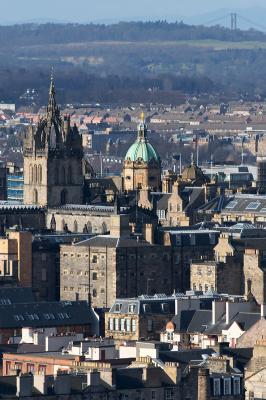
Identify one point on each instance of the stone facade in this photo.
(139, 174)
(255, 274)
(111, 267)
(215, 276)
(16, 258)
(53, 160)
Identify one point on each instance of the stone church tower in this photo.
(142, 165)
(53, 156)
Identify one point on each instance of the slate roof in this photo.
(200, 320)
(14, 295)
(246, 204)
(184, 356)
(45, 314)
(183, 319)
(113, 242)
(147, 305)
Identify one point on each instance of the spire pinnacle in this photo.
(51, 109)
(142, 117)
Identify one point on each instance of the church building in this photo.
(53, 156)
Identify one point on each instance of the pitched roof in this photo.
(46, 314)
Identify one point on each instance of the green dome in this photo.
(142, 149)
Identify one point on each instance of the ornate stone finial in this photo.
(142, 117)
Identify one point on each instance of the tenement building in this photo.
(106, 267)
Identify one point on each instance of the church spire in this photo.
(52, 107)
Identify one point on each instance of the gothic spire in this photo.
(52, 107)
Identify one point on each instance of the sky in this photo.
(17, 11)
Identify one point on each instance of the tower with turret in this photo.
(53, 156)
(142, 164)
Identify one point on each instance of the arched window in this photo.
(75, 227)
(35, 174)
(69, 174)
(63, 199)
(63, 175)
(104, 227)
(40, 174)
(35, 196)
(31, 173)
(56, 176)
(89, 227)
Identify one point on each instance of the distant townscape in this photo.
(132, 236)
(133, 244)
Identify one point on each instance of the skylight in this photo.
(253, 205)
(231, 205)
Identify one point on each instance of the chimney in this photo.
(218, 309)
(144, 198)
(204, 392)
(93, 378)
(263, 311)
(62, 384)
(24, 385)
(148, 233)
(119, 226)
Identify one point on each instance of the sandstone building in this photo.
(142, 165)
(53, 160)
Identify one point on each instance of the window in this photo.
(94, 258)
(42, 369)
(116, 324)
(132, 308)
(177, 259)
(253, 205)
(216, 387)
(65, 272)
(170, 335)
(122, 324)
(94, 293)
(206, 288)
(192, 239)
(169, 394)
(30, 368)
(49, 316)
(237, 388)
(18, 366)
(128, 325)
(153, 395)
(227, 386)
(231, 205)
(165, 307)
(94, 276)
(35, 196)
(32, 317)
(133, 325)
(111, 324)
(150, 325)
(147, 308)
(118, 307)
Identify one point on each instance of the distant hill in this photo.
(54, 33)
